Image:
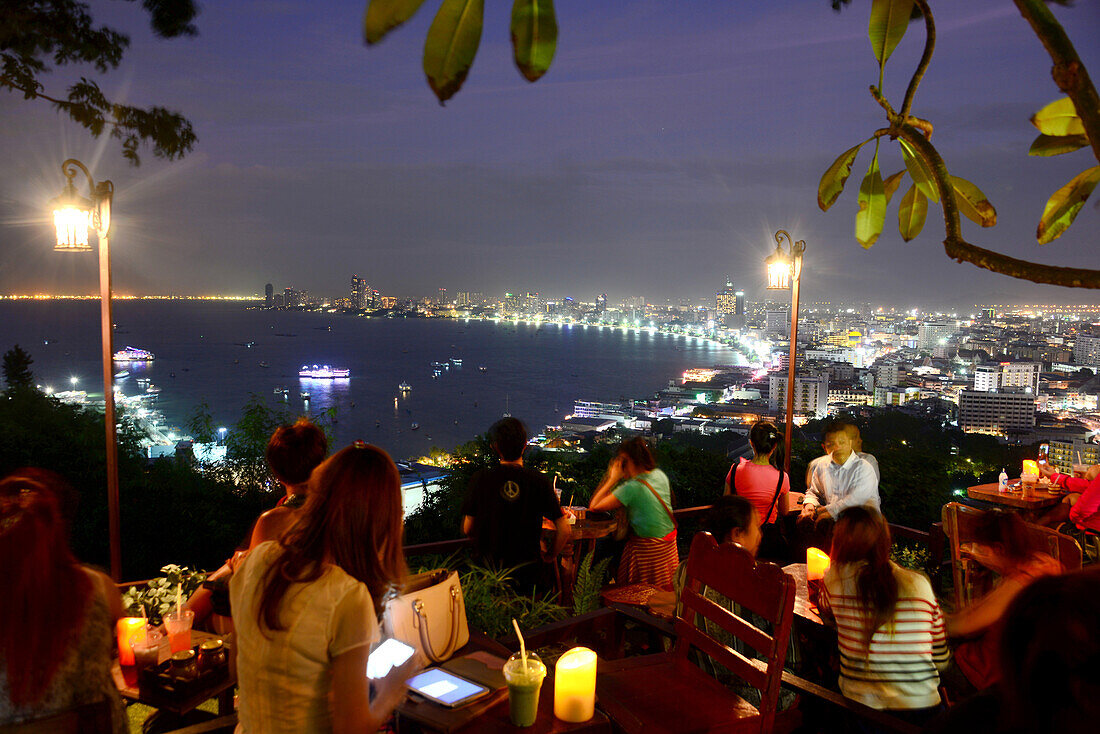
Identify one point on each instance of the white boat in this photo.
(414, 426)
(483, 368)
(456, 361)
(121, 375)
(404, 387)
(133, 354)
(305, 396)
(323, 372)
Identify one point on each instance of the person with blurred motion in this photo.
(306, 606)
(57, 617)
(845, 480)
(1081, 505)
(890, 630)
(633, 481)
(504, 509)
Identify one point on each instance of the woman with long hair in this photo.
(57, 617)
(306, 606)
(633, 481)
(758, 479)
(889, 626)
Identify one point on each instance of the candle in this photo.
(817, 563)
(130, 630)
(1031, 467)
(575, 685)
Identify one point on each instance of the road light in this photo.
(785, 271)
(73, 217)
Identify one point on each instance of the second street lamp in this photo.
(785, 271)
(73, 217)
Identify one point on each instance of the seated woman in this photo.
(763, 484)
(1001, 544)
(1081, 506)
(57, 618)
(633, 481)
(889, 625)
(306, 606)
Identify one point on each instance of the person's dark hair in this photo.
(293, 452)
(352, 519)
(728, 513)
(837, 425)
(1007, 531)
(763, 437)
(509, 438)
(862, 535)
(1050, 654)
(637, 450)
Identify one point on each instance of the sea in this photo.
(220, 353)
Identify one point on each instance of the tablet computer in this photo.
(446, 688)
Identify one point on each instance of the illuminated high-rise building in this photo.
(601, 303)
(739, 309)
(269, 292)
(725, 301)
(359, 291)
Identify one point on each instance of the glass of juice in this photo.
(178, 626)
(147, 653)
(524, 681)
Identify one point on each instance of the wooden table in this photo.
(1030, 500)
(585, 532)
(803, 607)
(127, 683)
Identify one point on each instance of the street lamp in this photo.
(73, 217)
(785, 271)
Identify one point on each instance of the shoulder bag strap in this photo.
(651, 489)
(775, 498)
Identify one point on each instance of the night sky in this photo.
(667, 143)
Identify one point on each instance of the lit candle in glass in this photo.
(575, 685)
(1031, 467)
(130, 630)
(817, 563)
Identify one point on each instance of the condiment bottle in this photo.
(1002, 482)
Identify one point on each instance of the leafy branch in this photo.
(1064, 126)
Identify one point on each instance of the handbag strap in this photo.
(425, 638)
(651, 489)
(775, 498)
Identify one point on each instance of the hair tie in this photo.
(359, 444)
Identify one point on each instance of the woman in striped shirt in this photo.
(889, 626)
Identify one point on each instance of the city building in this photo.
(359, 291)
(725, 304)
(996, 413)
(269, 291)
(811, 394)
(1064, 454)
(777, 323)
(1086, 351)
(739, 310)
(1023, 375)
(601, 303)
(932, 333)
(987, 377)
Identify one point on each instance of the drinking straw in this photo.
(571, 495)
(1079, 458)
(522, 646)
(179, 597)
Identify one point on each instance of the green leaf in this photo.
(889, 20)
(384, 15)
(872, 205)
(1059, 118)
(973, 204)
(891, 184)
(452, 44)
(1063, 206)
(1047, 145)
(911, 213)
(834, 178)
(534, 36)
(919, 170)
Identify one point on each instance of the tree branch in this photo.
(925, 60)
(960, 250)
(1069, 73)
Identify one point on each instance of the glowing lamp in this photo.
(575, 685)
(817, 563)
(130, 630)
(72, 218)
(779, 270)
(1031, 467)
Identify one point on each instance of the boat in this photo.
(404, 387)
(456, 361)
(414, 426)
(305, 395)
(323, 372)
(133, 354)
(265, 365)
(121, 375)
(482, 368)
(280, 391)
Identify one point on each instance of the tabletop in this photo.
(802, 606)
(1029, 498)
(127, 682)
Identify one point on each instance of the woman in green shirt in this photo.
(633, 481)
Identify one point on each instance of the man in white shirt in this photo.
(846, 480)
(857, 447)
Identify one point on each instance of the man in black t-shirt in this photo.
(505, 506)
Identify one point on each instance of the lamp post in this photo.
(785, 271)
(73, 216)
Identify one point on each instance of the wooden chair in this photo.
(970, 579)
(90, 718)
(665, 692)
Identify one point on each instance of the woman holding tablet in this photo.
(306, 606)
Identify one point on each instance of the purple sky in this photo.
(667, 143)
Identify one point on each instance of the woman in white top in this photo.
(306, 606)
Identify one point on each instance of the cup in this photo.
(147, 652)
(1029, 480)
(1080, 469)
(524, 682)
(178, 626)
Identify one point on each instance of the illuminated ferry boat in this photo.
(133, 354)
(323, 372)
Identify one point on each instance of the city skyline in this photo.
(664, 145)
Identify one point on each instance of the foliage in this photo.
(455, 35)
(159, 595)
(590, 579)
(913, 557)
(1065, 125)
(491, 602)
(39, 35)
(17, 369)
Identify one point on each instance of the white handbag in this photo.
(430, 615)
